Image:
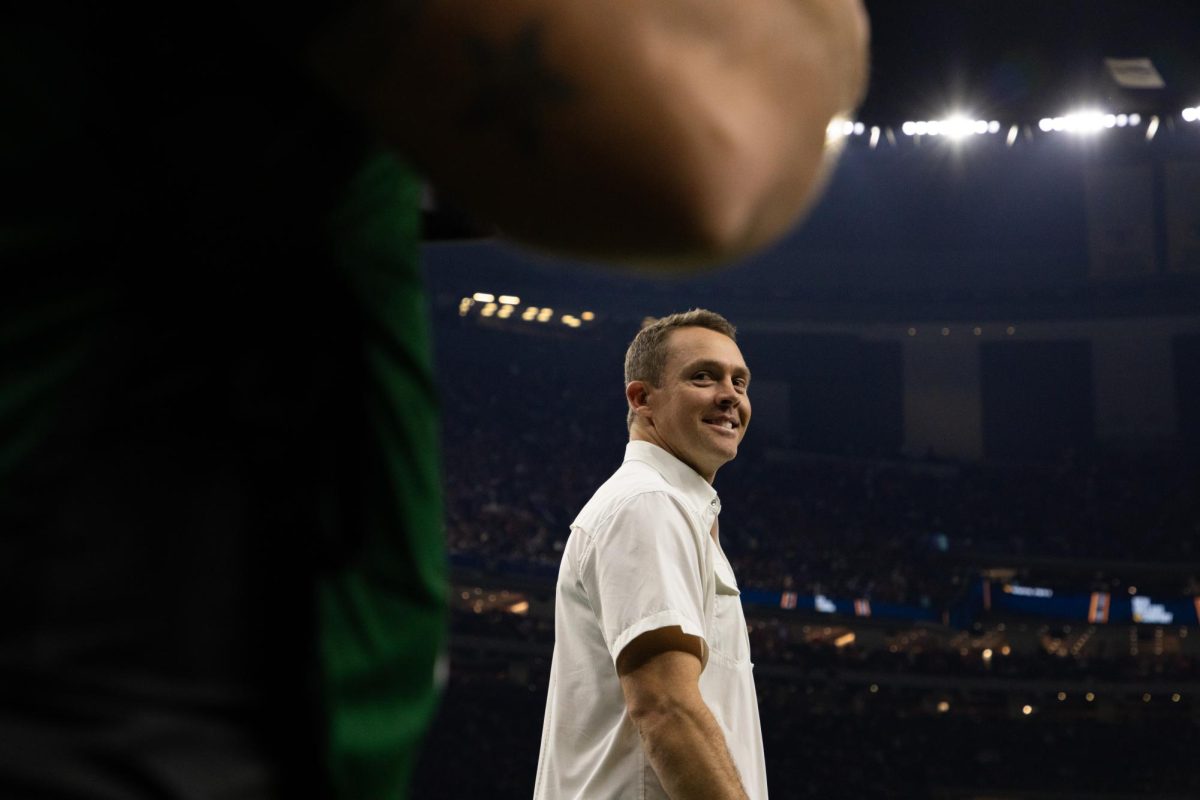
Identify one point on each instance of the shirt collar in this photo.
(677, 473)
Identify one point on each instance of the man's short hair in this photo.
(646, 357)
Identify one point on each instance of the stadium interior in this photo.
(966, 520)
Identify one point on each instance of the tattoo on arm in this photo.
(514, 89)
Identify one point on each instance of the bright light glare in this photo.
(1191, 114)
(957, 126)
(510, 300)
(484, 297)
(1084, 122)
(1152, 128)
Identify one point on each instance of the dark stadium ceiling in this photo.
(1021, 60)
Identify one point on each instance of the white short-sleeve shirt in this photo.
(641, 557)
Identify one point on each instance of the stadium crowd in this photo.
(830, 738)
(526, 446)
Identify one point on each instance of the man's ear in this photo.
(637, 395)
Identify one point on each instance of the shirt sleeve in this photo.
(644, 572)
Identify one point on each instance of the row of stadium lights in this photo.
(1028, 709)
(1011, 330)
(962, 127)
(505, 306)
(987, 654)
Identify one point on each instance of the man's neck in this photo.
(644, 434)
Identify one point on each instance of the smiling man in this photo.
(651, 690)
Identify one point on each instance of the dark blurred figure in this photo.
(221, 564)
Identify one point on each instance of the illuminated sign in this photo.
(1146, 610)
(1028, 591)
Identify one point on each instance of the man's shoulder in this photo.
(634, 480)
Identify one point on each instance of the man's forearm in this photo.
(663, 129)
(689, 754)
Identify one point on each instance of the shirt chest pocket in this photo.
(727, 628)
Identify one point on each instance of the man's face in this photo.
(701, 411)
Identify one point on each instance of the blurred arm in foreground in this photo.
(662, 133)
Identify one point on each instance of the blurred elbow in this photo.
(750, 200)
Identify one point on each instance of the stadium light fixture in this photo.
(488, 310)
(484, 297)
(1088, 121)
(956, 127)
(588, 316)
(510, 300)
(1191, 114)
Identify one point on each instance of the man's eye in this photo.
(702, 376)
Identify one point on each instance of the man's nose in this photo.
(727, 395)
